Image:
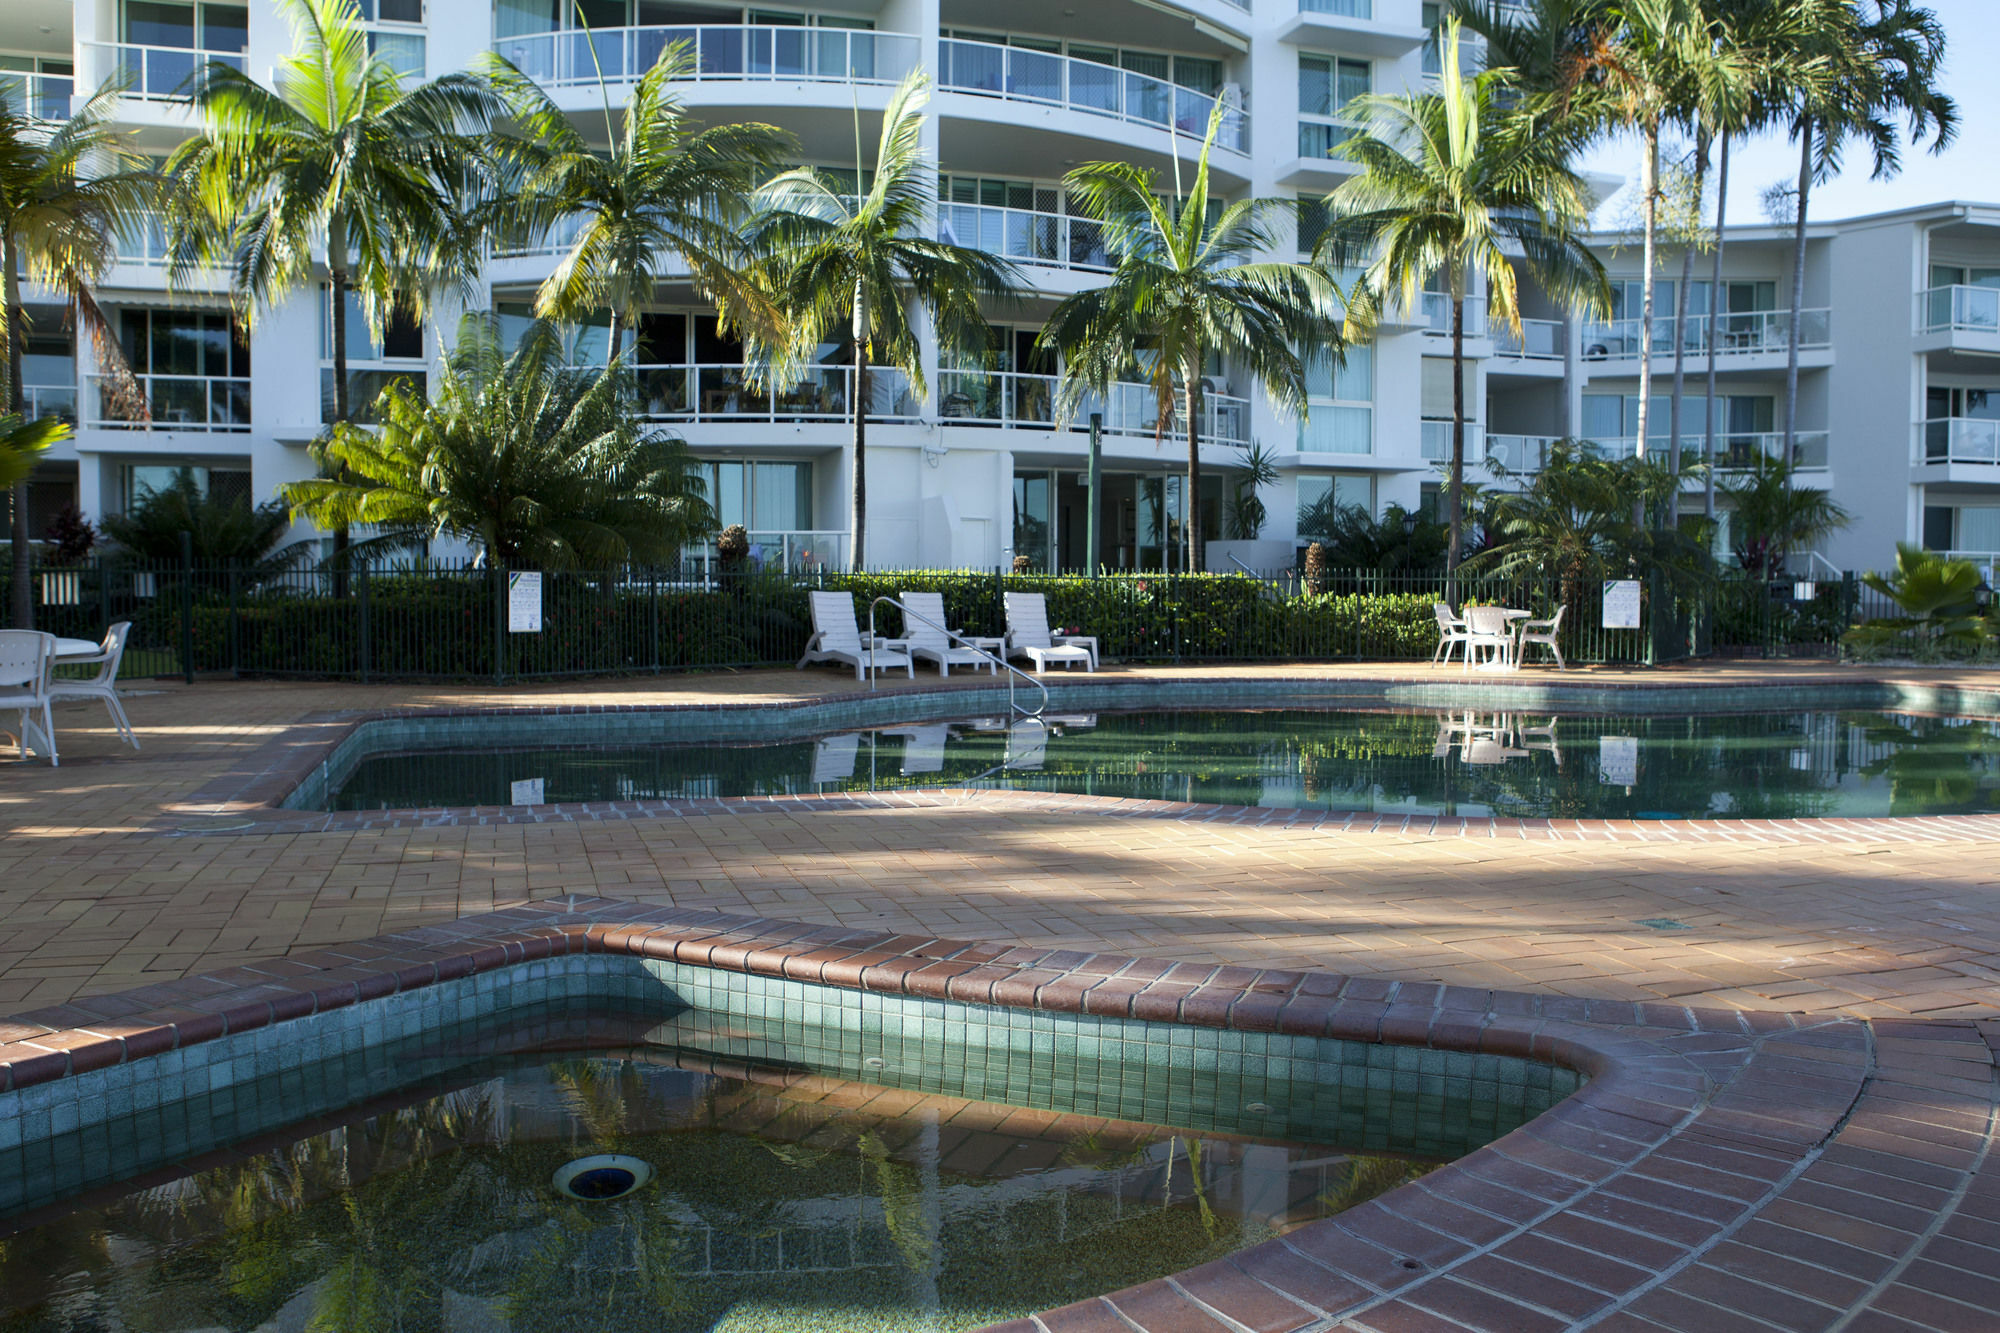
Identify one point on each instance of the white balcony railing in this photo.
(1434, 313)
(49, 400)
(1436, 442)
(1539, 340)
(176, 402)
(1744, 333)
(1023, 401)
(1346, 9)
(1019, 234)
(158, 73)
(723, 393)
(1018, 74)
(720, 50)
(1959, 310)
(1520, 455)
(798, 550)
(44, 95)
(1735, 451)
(1958, 440)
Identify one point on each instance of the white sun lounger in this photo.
(1028, 635)
(837, 638)
(924, 632)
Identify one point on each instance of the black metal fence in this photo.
(451, 621)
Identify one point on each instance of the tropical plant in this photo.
(1187, 286)
(22, 442)
(1247, 514)
(538, 462)
(1771, 518)
(338, 157)
(1355, 539)
(1940, 601)
(221, 530)
(71, 538)
(839, 264)
(663, 190)
(69, 190)
(1456, 183)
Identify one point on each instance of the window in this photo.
(1313, 220)
(765, 497)
(1340, 418)
(225, 484)
(1321, 496)
(183, 342)
(1326, 85)
(204, 27)
(402, 333)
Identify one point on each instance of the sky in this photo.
(1968, 170)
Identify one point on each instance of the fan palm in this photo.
(69, 190)
(837, 262)
(1455, 183)
(1187, 287)
(339, 156)
(662, 190)
(536, 461)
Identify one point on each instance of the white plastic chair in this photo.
(834, 758)
(837, 638)
(1028, 634)
(1545, 632)
(104, 685)
(1486, 629)
(25, 658)
(1451, 633)
(923, 631)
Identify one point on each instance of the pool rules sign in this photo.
(1621, 604)
(524, 603)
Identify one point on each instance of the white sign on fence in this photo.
(1804, 592)
(524, 603)
(1621, 604)
(528, 791)
(1618, 761)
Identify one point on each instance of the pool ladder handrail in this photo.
(956, 637)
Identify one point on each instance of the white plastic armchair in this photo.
(1486, 629)
(1028, 634)
(25, 658)
(1451, 633)
(1545, 633)
(837, 638)
(103, 685)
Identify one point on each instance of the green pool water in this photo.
(1726, 766)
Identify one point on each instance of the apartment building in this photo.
(980, 471)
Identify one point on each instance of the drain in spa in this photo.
(602, 1176)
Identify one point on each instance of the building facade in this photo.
(979, 470)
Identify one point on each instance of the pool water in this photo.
(1724, 766)
(781, 1199)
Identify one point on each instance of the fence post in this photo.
(361, 609)
(187, 607)
(498, 577)
(103, 591)
(235, 631)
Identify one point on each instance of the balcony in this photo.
(1959, 310)
(1016, 74)
(1051, 239)
(1028, 402)
(1539, 340)
(158, 73)
(1435, 445)
(175, 402)
(723, 394)
(44, 95)
(722, 51)
(1434, 314)
(1735, 451)
(1742, 333)
(1520, 455)
(49, 400)
(1958, 440)
(1349, 27)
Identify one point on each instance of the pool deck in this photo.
(117, 872)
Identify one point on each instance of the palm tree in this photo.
(1771, 518)
(339, 155)
(536, 461)
(663, 189)
(69, 190)
(1186, 287)
(856, 262)
(1453, 182)
(1870, 63)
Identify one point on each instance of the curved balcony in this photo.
(1015, 74)
(729, 52)
(1054, 240)
(1028, 402)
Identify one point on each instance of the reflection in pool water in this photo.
(1729, 766)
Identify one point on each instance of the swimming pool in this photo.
(1795, 763)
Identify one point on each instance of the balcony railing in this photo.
(1436, 442)
(1743, 333)
(1958, 440)
(1029, 237)
(1319, 139)
(1520, 455)
(1959, 309)
(1024, 401)
(49, 400)
(720, 50)
(1018, 74)
(723, 393)
(1434, 313)
(159, 73)
(177, 402)
(1735, 451)
(44, 95)
(797, 550)
(1539, 340)
(1346, 9)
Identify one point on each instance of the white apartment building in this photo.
(978, 471)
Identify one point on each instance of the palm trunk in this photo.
(1680, 339)
(1649, 172)
(1806, 137)
(1715, 325)
(857, 518)
(1456, 507)
(617, 331)
(336, 270)
(23, 597)
(1191, 502)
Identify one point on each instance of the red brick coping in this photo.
(1721, 1170)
